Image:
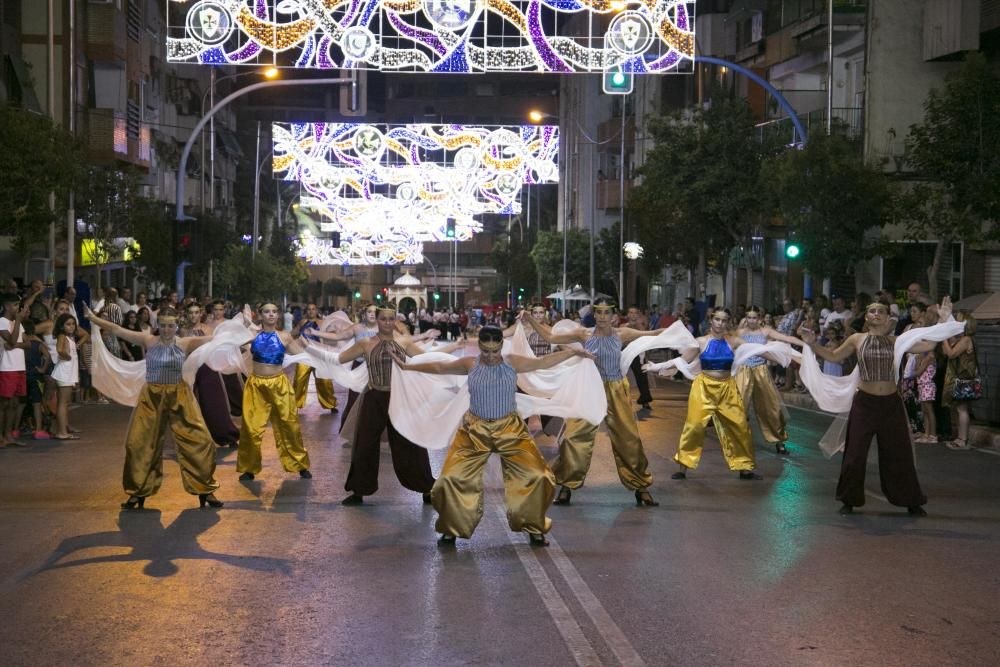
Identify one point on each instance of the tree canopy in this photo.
(829, 199)
(36, 159)
(700, 191)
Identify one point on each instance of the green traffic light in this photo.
(618, 79)
(436, 296)
(357, 295)
(792, 251)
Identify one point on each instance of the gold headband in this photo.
(876, 304)
(604, 308)
(490, 345)
(167, 319)
(382, 309)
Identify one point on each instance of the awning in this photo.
(981, 306)
(575, 295)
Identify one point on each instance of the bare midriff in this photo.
(877, 388)
(266, 370)
(718, 375)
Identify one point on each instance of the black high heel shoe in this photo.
(563, 497)
(447, 539)
(645, 499)
(780, 448)
(134, 503)
(537, 540)
(208, 499)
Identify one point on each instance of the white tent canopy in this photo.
(575, 294)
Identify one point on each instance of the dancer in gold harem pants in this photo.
(324, 388)
(577, 446)
(270, 398)
(718, 399)
(528, 483)
(755, 386)
(158, 406)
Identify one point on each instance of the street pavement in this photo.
(724, 572)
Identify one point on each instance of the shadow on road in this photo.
(148, 540)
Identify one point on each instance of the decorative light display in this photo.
(632, 250)
(435, 35)
(392, 187)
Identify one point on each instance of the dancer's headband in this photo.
(490, 345)
(167, 319)
(605, 308)
(383, 309)
(876, 304)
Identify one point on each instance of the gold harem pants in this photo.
(719, 400)
(528, 484)
(270, 398)
(158, 406)
(324, 388)
(577, 445)
(757, 389)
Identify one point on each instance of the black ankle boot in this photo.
(645, 499)
(563, 497)
(134, 503)
(208, 499)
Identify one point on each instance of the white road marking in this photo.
(602, 620)
(583, 652)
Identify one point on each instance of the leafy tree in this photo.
(957, 147)
(36, 159)
(829, 199)
(245, 279)
(548, 257)
(512, 260)
(106, 201)
(700, 192)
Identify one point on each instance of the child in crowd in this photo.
(38, 364)
(834, 337)
(66, 373)
(926, 394)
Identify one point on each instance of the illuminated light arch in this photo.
(655, 36)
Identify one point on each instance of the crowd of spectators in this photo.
(36, 320)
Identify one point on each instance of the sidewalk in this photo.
(980, 435)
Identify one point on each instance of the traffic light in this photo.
(357, 294)
(617, 82)
(378, 296)
(437, 296)
(449, 229)
(792, 251)
(520, 293)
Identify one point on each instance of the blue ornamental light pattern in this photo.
(387, 189)
(654, 36)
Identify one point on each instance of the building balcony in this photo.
(847, 121)
(109, 140)
(609, 195)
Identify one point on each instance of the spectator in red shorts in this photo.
(13, 381)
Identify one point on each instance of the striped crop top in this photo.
(267, 348)
(491, 390)
(875, 362)
(379, 362)
(538, 345)
(608, 350)
(759, 338)
(164, 364)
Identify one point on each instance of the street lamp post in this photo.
(179, 214)
(209, 95)
(536, 116)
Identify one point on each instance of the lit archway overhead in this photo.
(566, 36)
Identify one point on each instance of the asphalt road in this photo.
(724, 572)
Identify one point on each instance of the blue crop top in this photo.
(759, 339)
(267, 348)
(164, 364)
(717, 356)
